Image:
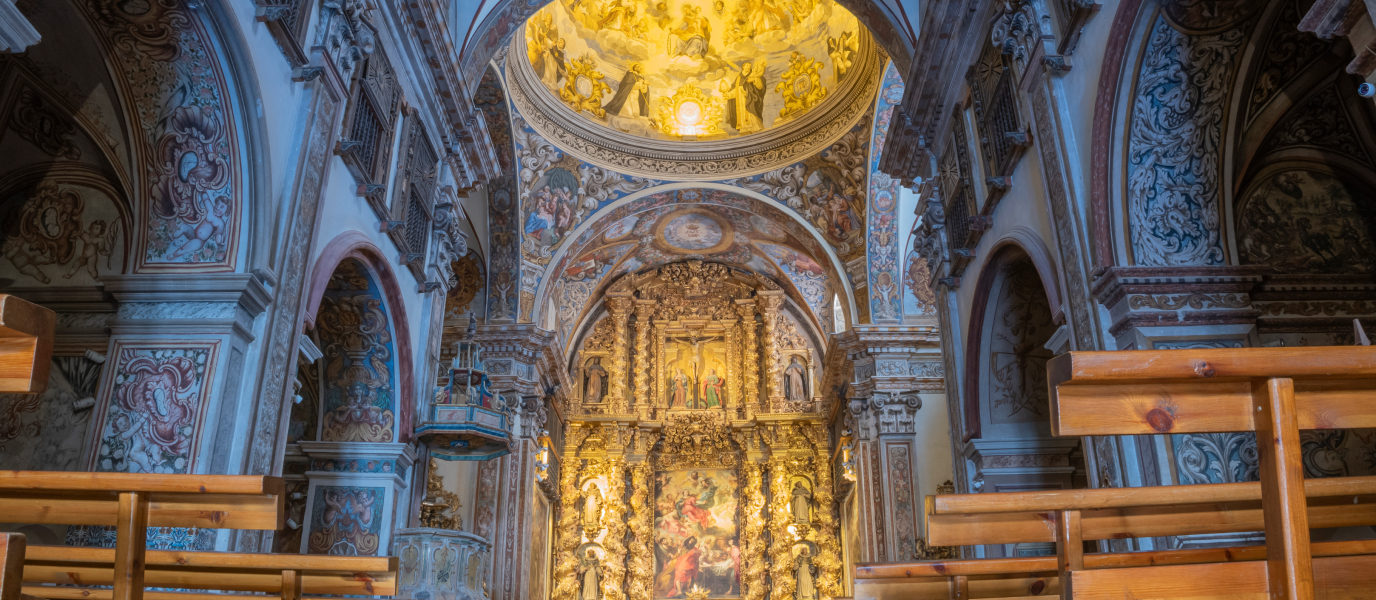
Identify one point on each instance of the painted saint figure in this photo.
(795, 381)
(594, 382)
(591, 569)
(678, 392)
(712, 389)
(677, 576)
(802, 503)
(745, 99)
(692, 36)
(633, 84)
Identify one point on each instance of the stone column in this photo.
(620, 307)
(769, 303)
(641, 396)
(750, 358)
(192, 334)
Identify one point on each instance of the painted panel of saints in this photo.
(696, 535)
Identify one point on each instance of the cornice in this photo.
(750, 155)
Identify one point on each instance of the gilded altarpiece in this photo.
(682, 477)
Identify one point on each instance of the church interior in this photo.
(699, 299)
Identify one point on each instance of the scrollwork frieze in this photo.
(1195, 301)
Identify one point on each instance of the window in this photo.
(367, 145)
(413, 199)
(286, 21)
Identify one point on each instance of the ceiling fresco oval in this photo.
(696, 69)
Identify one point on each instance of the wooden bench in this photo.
(132, 503)
(1275, 392)
(26, 345)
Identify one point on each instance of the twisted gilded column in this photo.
(733, 380)
(828, 560)
(781, 541)
(614, 567)
(750, 358)
(753, 549)
(566, 548)
(658, 400)
(641, 396)
(769, 302)
(640, 577)
(620, 307)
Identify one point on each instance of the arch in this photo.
(545, 289)
(1008, 250)
(1104, 125)
(353, 244)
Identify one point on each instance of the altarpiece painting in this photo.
(697, 540)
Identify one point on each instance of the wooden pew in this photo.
(134, 502)
(1272, 391)
(26, 345)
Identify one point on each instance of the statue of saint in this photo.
(591, 570)
(795, 378)
(712, 389)
(802, 503)
(678, 392)
(592, 510)
(595, 382)
(807, 590)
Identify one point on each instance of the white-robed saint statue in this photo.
(591, 568)
(795, 381)
(807, 588)
(592, 510)
(802, 503)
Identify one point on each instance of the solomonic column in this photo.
(750, 358)
(769, 303)
(620, 307)
(641, 395)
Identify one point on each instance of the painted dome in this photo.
(693, 70)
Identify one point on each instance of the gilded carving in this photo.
(565, 563)
(752, 535)
(614, 567)
(640, 575)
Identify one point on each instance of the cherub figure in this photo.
(97, 241)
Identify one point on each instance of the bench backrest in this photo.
(211, 501)
(26, 345)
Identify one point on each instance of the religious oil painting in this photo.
(692, 69)
(695, 372)
(696, 534)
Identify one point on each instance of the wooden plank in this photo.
(291, 584)
(1044, 565)
(1336, 578)
(960, 587)
(11, 565)
(1202, 407)
(226, 560)
(140, 482)
(1004, 587)
(1151, 521)
(1070, 549)
(216, 511)
(1217, 581)
(233, 580)
(26, 345)
(78, 593)
(1171, 495)
(1215, 364)
(1290, 573)
(131, 540)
